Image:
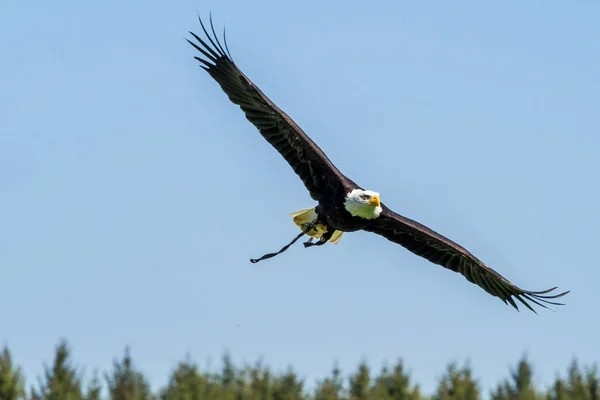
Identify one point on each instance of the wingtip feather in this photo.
(538, 298)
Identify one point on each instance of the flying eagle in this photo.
(343, 206)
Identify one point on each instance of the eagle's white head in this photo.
(363, 203)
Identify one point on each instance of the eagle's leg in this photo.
(324, 238)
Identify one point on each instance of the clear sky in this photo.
(133, 193)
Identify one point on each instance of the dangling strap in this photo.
(284, 248)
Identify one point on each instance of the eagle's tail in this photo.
(308, 215)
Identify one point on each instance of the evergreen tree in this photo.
(457, 384)
(593, 383)
(231, 388)
(288, 387)
(576, 385)
(379, 389)
(360, 383)
(395, 385)
(330, 388)
(61, 381)
(558, 391)
(261, 385)
(126, 383)
(186, 383)
(240, 387)
(520, 387)
(94, 389)
(12, 384)
(228, 372)
(500, 392)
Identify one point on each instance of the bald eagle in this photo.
(342, 205)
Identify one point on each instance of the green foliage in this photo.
(126, 383)
(520, 386)
(558, 391)
(187, 383)
(395, 385)
(577, 385)
(228, 372)
(12, 385)
(288, 387)
(260, 382)
(62, 381)
(360, 383)
(94, 389)
(457, 384)
(330, 388)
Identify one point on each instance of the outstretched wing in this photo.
(440, 250)
(306, 159)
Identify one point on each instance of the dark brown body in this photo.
(331, 210)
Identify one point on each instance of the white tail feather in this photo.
(308, 215)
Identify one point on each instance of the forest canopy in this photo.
(63, 379)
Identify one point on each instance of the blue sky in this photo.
(134, 193)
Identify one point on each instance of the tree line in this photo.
(62, 380)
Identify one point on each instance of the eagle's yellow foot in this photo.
(322, 240)
(308, 217)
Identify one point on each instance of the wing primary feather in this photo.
(213, 51)
(204, 62)
(512, 302)
(226, 47)
(216, 48)
(538, 295)
(547, 297)
(212, 28)
(527, 304)
(213, 56)
(493, 287)
(547, 291)
(503, 291)
(542, 291)
(528, 297)
(535, 301)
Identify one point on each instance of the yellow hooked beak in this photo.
(375, 201)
